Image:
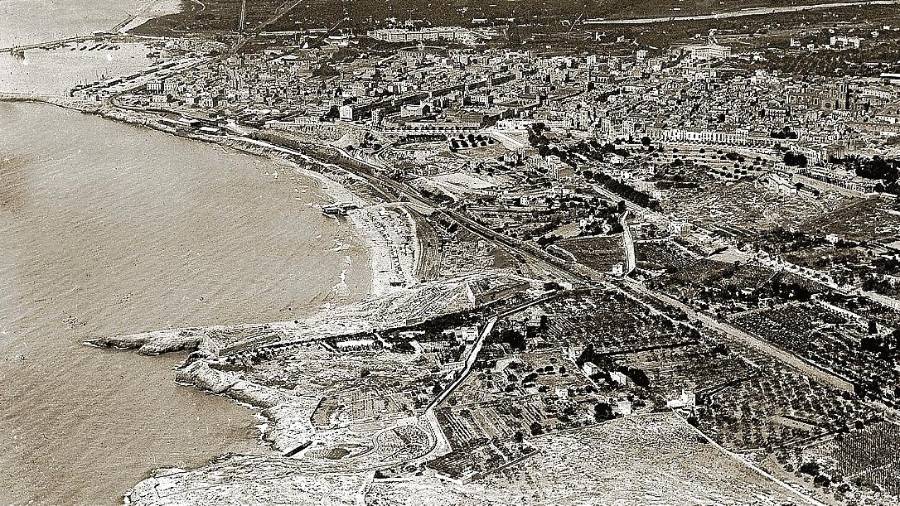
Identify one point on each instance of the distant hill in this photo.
(224, 15)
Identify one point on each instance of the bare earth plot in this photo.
(652, 459)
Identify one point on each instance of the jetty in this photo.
(339, 209)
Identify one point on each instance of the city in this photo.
(631, 259)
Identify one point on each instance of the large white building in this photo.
(706, 52)
(451, 33)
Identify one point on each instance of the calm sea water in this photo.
(52, 72)
(107, 228)
(31, 21)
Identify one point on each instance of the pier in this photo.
(29, 97)
(52, 44)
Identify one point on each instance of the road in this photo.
(628, 240)
(373, 175)
(661, 219)
(785, 357)
(806, 499)
(571, 272)
(119, 28)
(789, 359)
(470, 362)
(525, 305)
(242, 39)
(476, 349)
(631, 206)
(756, 11)
(509, 142)
(243, 17)
(559, 268)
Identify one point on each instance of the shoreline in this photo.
(287, 428)
(151, 10)
(258, 399)
(280, 418)
(260, 402)
(361, 219)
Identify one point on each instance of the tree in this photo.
(514, 338)
(810, 468)
(876, 168)
(638, 376)
(603, 412)
(795, 159)
(332, 113)
(587, 355)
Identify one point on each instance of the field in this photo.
(776, 408)
(824, 337)
(857, 220)
(607, 463)
(752, 205)
(598, 253)
(864, 457)
(873, 455)
(694, 367)
(611, 323)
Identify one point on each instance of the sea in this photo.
(108, 228)
(25, 22)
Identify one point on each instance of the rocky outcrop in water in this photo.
(153, 343)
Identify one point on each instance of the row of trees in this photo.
(877, 168)
(471, 141)
(595, 150)
(885, 170)
(619, 188)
